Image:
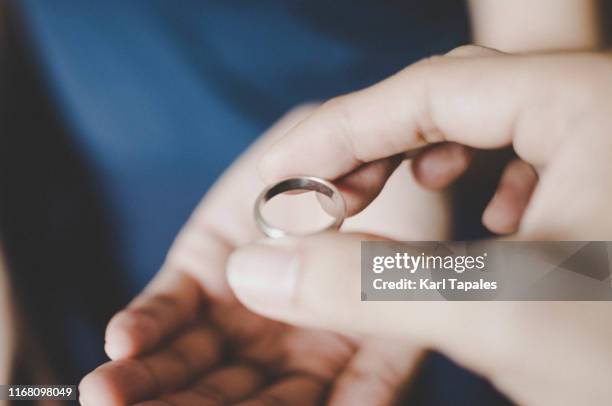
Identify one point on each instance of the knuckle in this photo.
(338, 107)
(428, 62)
(334, 102)
(464, 50)
(302, 110)
(334, 107)
(472, 50)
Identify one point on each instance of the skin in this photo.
(555, 111)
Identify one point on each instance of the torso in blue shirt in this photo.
(160, 96)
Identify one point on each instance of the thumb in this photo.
(315, 281)
(308, 281)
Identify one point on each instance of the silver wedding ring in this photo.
(304, 183)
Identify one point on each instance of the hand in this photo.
(186, 340)
(556, 112)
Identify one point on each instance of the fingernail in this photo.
(265, 273)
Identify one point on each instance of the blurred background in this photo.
(116, 117)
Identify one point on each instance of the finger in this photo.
(376, 374)
(295, 390)
(315, 282)
(505, 210)
(312, 281)
(171, 300)
(223, 387)
(473, 101)
(363, 185)
(440, 165)
(131, 380)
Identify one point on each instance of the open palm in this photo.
(186, 340)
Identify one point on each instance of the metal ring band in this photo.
(299, 183)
